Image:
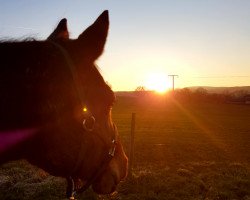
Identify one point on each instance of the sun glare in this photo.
(157, 82)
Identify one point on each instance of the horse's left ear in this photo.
(93, 39)
(61, 31)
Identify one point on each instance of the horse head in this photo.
(54, 88)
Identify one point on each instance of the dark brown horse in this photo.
(55, 108)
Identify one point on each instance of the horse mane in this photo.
(15, 40)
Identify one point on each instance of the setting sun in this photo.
(157, 82)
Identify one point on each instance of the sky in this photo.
(204, 42)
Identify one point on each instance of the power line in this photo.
(221, 77)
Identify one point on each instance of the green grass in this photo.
(182, 151)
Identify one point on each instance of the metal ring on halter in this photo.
(84, 123)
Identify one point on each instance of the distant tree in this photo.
(201, 91)
(226, 96)
(201, 94)
(186, 91)
(239, 95)
(184, 94)
(140, 89)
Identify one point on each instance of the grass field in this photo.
(182, 151)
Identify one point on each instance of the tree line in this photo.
(200, 94)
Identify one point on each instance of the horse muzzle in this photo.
(106, 184)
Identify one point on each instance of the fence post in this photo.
(132, 142)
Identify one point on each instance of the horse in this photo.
(55, 108)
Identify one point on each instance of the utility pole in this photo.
(173, 76)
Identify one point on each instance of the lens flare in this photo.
(84, 109)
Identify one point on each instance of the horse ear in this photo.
(93, 39)
(61, 31)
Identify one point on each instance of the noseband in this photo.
(72, 189)
(89, 124)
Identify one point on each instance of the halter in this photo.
(89, 118)
(72, 189)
